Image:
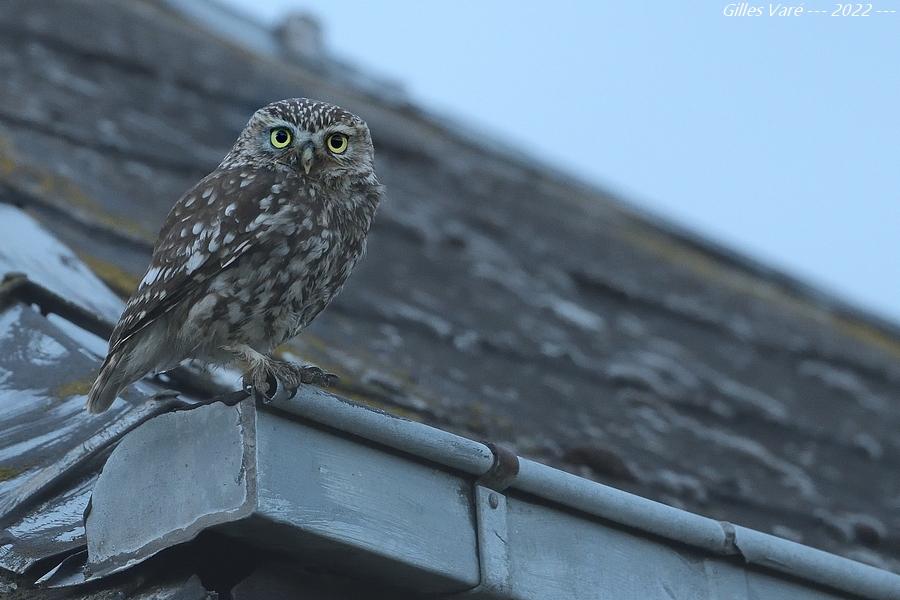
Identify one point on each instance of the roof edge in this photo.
(719, 538)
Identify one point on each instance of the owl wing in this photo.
(215, 223)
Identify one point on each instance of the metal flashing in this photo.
(163, 501)
(308, 491)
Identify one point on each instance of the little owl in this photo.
(253, 252)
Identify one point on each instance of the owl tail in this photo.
(106, 387)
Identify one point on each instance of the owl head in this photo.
(314, 139)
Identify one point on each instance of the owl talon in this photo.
(261, 386)
(271, 387)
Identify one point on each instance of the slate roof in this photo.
(499, 299)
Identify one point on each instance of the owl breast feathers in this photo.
(255, 250)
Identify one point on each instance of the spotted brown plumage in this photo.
(253, 252)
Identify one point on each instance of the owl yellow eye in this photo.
(280, 137)
(337, 143)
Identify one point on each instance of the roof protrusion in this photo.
(301, 38)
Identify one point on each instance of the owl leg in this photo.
(258, 378)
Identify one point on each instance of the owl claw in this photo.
(314, 375)
(271, 388)
(261, 385)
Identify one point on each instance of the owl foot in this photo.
(293, 375)
(263, 378)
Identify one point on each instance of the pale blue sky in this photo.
(776, 136)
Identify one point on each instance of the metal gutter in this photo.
(565, 489)
(414, 438)
(328, 481)
(621, 507)
(791, 558)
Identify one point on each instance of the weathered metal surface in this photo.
(495, 576)
(283, 484)
(557, 554)
(361, 501)
(817, 567)
(412, 437)
(621, 507)
(372, 511)
(51, 528)
(166, 482)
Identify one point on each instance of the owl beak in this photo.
(307, 156)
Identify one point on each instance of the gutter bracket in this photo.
(493, 536)
(504, 470)
(493, 549)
